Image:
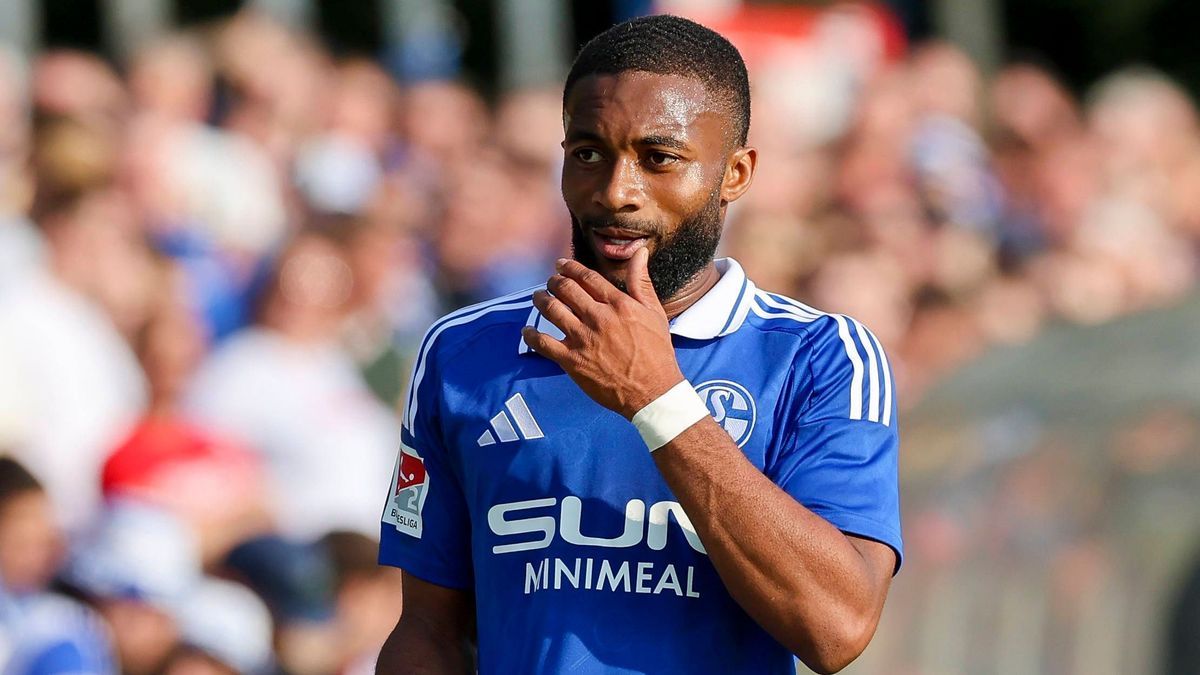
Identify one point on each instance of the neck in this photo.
(692, 291)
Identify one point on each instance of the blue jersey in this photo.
(49, 634)
(513, 484)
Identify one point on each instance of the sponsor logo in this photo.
(530, 525)
(515, 410)
(408, 495)
(534, 524)
(589, 574)
(731, 406)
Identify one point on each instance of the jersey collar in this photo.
(719, 312)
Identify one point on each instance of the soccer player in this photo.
(650, 465)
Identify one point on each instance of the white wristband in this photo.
(669, 415)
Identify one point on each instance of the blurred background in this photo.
(223, 225)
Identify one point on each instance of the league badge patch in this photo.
(408, 495)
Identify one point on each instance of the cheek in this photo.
(568, 194)
(575, 184)
(681, 194)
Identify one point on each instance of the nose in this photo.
(623, 191)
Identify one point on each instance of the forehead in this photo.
(636, 103)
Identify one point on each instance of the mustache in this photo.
(644, 227)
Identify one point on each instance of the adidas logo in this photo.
(503, 426)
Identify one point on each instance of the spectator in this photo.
(287, 389)
(40, 632)
(224, 630)
(69, 382)
(296, 580)
(207, 197)
(168, 462)
(76, 84)
(136, 567)
(369, 598)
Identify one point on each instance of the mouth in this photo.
(616, 243)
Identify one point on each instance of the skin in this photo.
(650, 148)
(647, 150)
(31, 545)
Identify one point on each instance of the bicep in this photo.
(881, 562)
(845, 471)
(448, 610)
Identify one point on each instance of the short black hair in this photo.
(670, 45)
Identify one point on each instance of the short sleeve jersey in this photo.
(512, 484)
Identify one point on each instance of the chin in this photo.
(583, 251)
(618, 280)
(613, 272)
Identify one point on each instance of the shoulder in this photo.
(832, 346)
(813, 327)
(471, 326)
(50, 618)
(466, 326)
(836, 354)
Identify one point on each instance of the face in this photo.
(30, 542)
(650, 161)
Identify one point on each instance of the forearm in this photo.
(798, 576)
(417, 647)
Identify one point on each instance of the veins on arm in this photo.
(815, 589)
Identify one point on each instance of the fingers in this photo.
(545, 345)
(641, 288)
(589, 280)
(557, 312)
(572, 295)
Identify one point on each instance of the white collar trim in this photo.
(719, 312)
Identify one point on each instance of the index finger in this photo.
(590, 280)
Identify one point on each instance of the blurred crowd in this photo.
(953, 213)
(216, 259)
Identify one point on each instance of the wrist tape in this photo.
(669, 415)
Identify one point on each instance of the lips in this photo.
(617, 243)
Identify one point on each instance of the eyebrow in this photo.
(577, 135)
(653, 139)
(664, 141)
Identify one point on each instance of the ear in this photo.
(739, 173)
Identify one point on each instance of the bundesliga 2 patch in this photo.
(408, 496)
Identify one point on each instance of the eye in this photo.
(588, 155)
(661, 159)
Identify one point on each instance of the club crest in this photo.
(731, 406)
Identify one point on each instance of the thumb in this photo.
(639, 284)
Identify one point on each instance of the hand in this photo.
(617, 346)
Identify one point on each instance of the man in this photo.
(762, 523)
(287, 388)
(70, 387)
(40, 631)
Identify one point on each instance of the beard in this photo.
(677, 260)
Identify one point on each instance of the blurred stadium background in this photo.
(224, 224)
